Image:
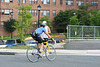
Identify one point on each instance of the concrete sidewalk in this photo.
(58, 52)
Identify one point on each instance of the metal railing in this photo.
(83, 32)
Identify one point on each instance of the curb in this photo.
(7, 53)
(58, 52)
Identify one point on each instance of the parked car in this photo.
(14, 42)
(32, 43)
(2, 43)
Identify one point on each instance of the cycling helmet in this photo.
(42, 24)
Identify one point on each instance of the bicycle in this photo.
(33, 54)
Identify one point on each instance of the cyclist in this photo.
(44, 36)
(38, 37)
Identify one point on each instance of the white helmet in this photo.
(44, 22)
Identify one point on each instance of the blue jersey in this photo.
(40, 30)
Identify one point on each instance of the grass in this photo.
(17, 47)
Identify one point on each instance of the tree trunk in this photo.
(11, 35)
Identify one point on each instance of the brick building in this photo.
(49, 8)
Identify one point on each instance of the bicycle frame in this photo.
(47, 46)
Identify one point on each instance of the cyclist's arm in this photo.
(41, 37)
(47, 34)
(49, 31)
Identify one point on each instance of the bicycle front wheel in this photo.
(32, 54)
(50, 53)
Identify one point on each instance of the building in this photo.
(49, 8)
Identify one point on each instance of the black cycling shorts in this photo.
(45, 39)
(39, 39)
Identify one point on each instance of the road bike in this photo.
(33, 53)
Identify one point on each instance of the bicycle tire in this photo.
(32, 54)
(50, 54)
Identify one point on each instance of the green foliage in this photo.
(24, 20)
(63, 18)
(45, 18)
(83, 14)
(95, 19)
(74, 20)
(9, 26)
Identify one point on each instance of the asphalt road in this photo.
(61, 61)
(83, 45)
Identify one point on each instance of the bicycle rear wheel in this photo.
(50, 53)
(32, 54)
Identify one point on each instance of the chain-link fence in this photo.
(83, 32)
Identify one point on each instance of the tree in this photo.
(74, 20)
(45, 18)
(24, 20)
(63, 18)
(95, 19)
(9, 26)
(83, 14)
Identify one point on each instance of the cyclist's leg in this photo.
(40, 46)
(45, 43)
(40, 43)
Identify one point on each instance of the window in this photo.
(33, 12)
(18, 41)
(54, 2)
(19, 11)
(2, 12)
(45, 1)
(45, 12)
(41, 1)
(33, 1)
(95, 3)
(48, 2)
(6, 12)
(11, 11)
(21, 1)
(11, 0)
(2, 0)
(79, 3)
(6, 0)
(69, 2)
(41, 12)
(87, 2)
(60, 2)
(48, 13)
(2, 24)
(54, 13)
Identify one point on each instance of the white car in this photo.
(32, 43)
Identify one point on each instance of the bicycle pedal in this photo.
(32, 53)
(39, 56)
